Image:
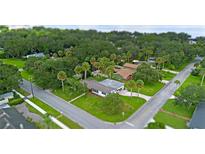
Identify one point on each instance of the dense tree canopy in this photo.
(147, 74)
(9, 78)
(86, 44)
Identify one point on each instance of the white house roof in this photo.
(112, 83)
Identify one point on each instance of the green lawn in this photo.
(150, 88)
(178, 109)
(23, 92)
(67, 94)
(56, 114)
(170, 120)
(167, 75)
(191, 80)
(26, 75)
(19, 63)
(93, 104)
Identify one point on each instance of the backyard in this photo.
(93, 104)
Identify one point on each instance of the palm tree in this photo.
(113, 57)
(139, 85)
(62, 77)
(128, 55)
(78, 70)
(177, 82)
(202, 73)
(159, 61)
(85, 68)
(131, 84)
(93, 61)
(110, 70)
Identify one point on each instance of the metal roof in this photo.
(92, 84)
(198, 118)
(112, 84)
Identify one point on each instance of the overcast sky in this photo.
(192, 30)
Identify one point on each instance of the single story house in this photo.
(118, 86)
(38, 55)
(127, 71)
(152, 60)
(10, 118)
(105, 87)
(198, 118)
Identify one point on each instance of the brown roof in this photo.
(131, 66)
(125, 73)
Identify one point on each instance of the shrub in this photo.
(195, 72)
(16, 101)
(156, 125)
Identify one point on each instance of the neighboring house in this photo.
(38, 55)
(151, 60)
(198, 118)
(127, 71)
(4, 98)
(192, 41)
(105, 87)
(10, 118)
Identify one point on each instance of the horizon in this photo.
(193, 30)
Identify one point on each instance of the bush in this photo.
(156, 125)
(16, 101)
(113, 104)
(195, 72)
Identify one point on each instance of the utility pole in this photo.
(31, 87)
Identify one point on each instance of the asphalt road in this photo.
(138, 120)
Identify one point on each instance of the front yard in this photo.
(93, 104)
(67, 94)
(150, 88)
(174, 115)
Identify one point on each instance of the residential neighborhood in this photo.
(85, 79)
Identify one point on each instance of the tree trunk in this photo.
(138, 90)
(62, 85)
(202, 80)
(85, 75)
(131, 92)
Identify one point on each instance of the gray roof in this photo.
(112, 83)
(10, 118)
(198, 118)
(7, 95)
(92, 84)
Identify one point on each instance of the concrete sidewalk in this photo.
(134, 94)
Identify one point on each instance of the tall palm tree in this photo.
(62, 77)
(93, 61)
(113, 57)
(85, 68)
(139, 85)
(110, 70)
(202, 73)
(78, 70)
(159, 61)
(128, 55)
(131, 84)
